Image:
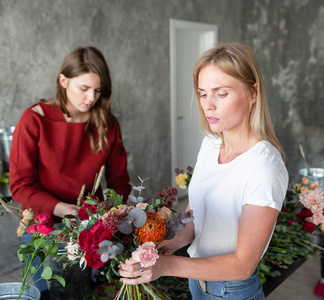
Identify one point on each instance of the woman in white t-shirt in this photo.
(238, 185)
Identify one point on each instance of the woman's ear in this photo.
(63, 80)
(254, 93)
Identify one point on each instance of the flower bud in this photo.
(28, 214)
(304, 189)
(305, 180)
(313, 186)
(142, 205)
(21, 231)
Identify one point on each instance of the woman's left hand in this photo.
(132, 272)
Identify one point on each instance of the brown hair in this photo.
(89, 60)
(238, 61)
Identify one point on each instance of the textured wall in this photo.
(35, 36)
(288, 39)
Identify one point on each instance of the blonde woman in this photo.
(238, 186)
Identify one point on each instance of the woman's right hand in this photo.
(61, 209)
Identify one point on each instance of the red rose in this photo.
(307, 213)
(44, 229)
(309, 227)
(93, 258)
(85, 239)
(100, 233)
(44, 219)
(31, 229)
(83, 211)
(83, 214)
(291, 222)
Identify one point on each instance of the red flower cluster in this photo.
(89, 241)
(167, 197)
(82, 212)
(43, 224)
(302, 216)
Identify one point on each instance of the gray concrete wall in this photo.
(288, 39)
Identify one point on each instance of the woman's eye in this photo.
(223, 95)
(83, 89)
(203, 95)
(98, 91)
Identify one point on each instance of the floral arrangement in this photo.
(42, 245)
(298, 229)
(183, 178)
(309, 209)
(103, 234)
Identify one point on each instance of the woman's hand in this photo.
(61, 209)
(132, 272)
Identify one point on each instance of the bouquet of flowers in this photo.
(299, 225)
(42, 245)
(103, 234)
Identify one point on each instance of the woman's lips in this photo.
(212, 120)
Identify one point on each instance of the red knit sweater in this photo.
(51, 159)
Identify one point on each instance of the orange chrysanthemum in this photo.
(153, 230)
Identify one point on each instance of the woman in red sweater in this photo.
(60, 144)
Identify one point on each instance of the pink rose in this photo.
(31, 229)
(165, 213)
(44, 229)
(146, 254)
(44, 219)
(85, 239)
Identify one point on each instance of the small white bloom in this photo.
(72, 251)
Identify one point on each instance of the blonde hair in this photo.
(89, 60)
(238, 61)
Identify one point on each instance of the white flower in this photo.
(72, 251)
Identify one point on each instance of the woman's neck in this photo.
(233, 146)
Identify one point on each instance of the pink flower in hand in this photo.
(146, 254)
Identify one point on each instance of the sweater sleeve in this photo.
(23, 164)
(116, 173)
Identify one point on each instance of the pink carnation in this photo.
(146, 254)
(313, 199)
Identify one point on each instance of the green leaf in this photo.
(264, 268)
(47, 273)
(39, 243)
(60, 279)
(52, 250)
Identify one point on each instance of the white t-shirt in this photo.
(217, 193)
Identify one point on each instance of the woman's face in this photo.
(223, 99)
(82, 92)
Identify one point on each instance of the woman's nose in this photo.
(91, 95)
(209, 104)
